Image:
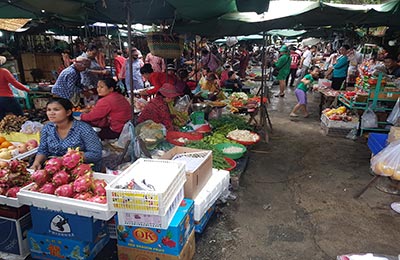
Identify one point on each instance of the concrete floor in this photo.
(296, 198)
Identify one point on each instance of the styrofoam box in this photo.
(152, 221)
(22, 155)
(167, 178)
(68, 205)
(339, 124)
(218, 183)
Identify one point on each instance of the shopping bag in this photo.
(275, 72)
(394, 116)
(387, 161)
(369, 119)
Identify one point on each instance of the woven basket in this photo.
(165, 45)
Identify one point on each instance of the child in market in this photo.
(301, 91)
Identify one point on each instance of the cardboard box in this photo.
(53, 247)
(164, 241)
(12, 212)
(188, 251)
(60, 224)
(394, 134)
(13, 235)
(196, 180)
(199, 226)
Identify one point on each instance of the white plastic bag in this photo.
(394, 116)
(369, 119)
(387, 161)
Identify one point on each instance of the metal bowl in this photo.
(201, 107)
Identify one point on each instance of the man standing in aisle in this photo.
(306, 60)
(136, 77)
(68, 84)
(157, 63)
(91, 76)
(294, 65)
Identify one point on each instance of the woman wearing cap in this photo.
(157, 79)
(110, 117)
(157, 109)
(8, 104)
(283, 65)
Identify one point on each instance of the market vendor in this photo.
(63, 132)
(9, 104)
(391, 66)
(233, 82)
(68, 84)
(91, 76)
(111, 111)
(339, 70)
(157, 109)
(157, 79)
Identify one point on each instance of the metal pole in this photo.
(130, 65)
(195, 59)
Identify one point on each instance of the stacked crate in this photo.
(152, 219)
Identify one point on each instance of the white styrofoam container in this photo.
(151, 221)
(339, 124)
(167, 178)
(216, 185)
(68, 205)
(22, 155)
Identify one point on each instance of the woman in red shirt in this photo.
(111, 112)
(8, 104)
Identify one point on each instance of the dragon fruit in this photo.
(4, 172)
(40, 177)
(82, 169)
(48, 188)
(60, 178)
(3, 191)
(12, 192)
(98, 187)
(82, 184)
(35, 187)
(72, 158)
(53, 165)
(98, 199)
(65, 191)
(17, 166)
(83, 196)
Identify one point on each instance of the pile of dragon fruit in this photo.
(68, 176)
(13, 176)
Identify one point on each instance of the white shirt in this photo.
(307, 55)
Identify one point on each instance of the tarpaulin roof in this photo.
(208, 17)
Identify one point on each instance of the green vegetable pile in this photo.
(218, 157)
(228, 123)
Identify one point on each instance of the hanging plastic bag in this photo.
(182, 104)
(369, 119)
(387, 161)
(394, 116)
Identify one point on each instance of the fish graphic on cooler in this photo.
(60, 224)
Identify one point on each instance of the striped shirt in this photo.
(68, 83)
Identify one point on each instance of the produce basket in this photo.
(248, 138)
(21, 155)
(224, 148)
(181, 138)
(156, 184)
(68, 205)
(165, 45)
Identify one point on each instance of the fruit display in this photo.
(11, 150)
(337, 114)
(12, 123)
(68, 176)
(13, 176)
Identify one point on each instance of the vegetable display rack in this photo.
(375, 96)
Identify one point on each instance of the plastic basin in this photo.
(233, 156)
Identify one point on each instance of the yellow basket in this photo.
(20, 137)
(165, 45)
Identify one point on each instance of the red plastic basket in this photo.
(173, 136)
(231, 162)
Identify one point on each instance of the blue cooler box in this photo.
(13, 235)
(53, 247)
(199, 226)
(165, 241)
(57, 223)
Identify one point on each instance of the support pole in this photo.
(130, 65)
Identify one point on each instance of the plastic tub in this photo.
(221, 147)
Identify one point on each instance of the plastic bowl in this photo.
(231, 162)
(234, 156)
(173, 137)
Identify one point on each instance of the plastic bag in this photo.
(30, 127)
(369, 119)
(151, 133)
(368, 256)
(387, 161)
(324, 83)
(182, 104)
(394, 116)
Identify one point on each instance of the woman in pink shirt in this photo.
(8, 104)
(111, 112)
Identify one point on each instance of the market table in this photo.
(328, 97)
